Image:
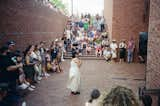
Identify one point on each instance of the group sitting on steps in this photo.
(89, 36)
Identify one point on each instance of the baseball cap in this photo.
(11, 43)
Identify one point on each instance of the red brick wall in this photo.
(29, 17)
(128, 18)
(153, 64)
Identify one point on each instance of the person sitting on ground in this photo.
(94, 100)
(107, 53)
(98, 51)
(120, 96)
(48, 61)
(88, 49)
(56, 67)
(51, 66)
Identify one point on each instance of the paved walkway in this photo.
(94, 74)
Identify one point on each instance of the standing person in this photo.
(86, 25)
(42, 53)
(131, 47)
(74, 75)
(122, 53)
(8, 75)
(102, 24)
(114, 47)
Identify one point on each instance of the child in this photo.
(98, 51)
(48, 61)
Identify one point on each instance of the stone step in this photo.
(86, 57)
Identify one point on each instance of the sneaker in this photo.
(23, 86)
(27, 83)
(62, 60)
(47, 75)
(39, 78)
(30, 89)
(24, 103)
(32, 86)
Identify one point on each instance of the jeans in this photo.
(130, 56)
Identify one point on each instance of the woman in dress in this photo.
(74, 75)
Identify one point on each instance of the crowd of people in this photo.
(85, 36)
(89, 36)
(21, 71)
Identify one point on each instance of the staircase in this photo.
(85, 56)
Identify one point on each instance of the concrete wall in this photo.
(108, 13)
(29, 22)
(153, 64)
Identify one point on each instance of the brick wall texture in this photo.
(126, 19)
(24, 21)
(153, 65)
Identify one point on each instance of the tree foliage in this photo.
(60, 5)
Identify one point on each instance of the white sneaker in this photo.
(47, 75)
(62, 60)
(39, 78)
(27, 83)
(24, 104)
(32, 86)
(30, 89)
(23, 86)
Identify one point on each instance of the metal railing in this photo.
(154, 92)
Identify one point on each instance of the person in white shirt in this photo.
(107, 54)
(114, 47)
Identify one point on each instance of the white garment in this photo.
(74, 77)
(94, 103)
(107, 53)
(68, 34)
(113, 47)
(33, 55)
(122, 45)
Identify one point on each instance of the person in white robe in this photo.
(74, 76)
